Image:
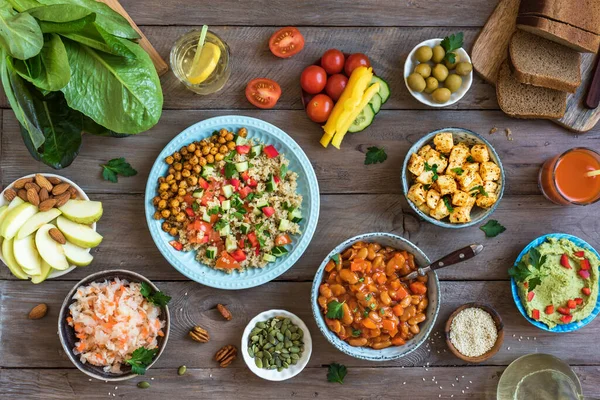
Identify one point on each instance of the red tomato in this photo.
(282, 240)
(313, 79)
(263, 92)
(354, 61)
(227, 262)
(319, 108)
(333, 61)
(286, 42)
(335, 86)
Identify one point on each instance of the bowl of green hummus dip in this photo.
(555, 282)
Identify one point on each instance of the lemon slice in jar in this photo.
(205, 60)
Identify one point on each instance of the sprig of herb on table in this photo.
(492, 228)
(432, 168)
(157, 298)
(450, 44)
(117, 166)
(529, 271)
(335, 310)
(336, 373)
(375, 155)
(140, 359)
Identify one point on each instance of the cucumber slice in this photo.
(245, 228)
(269, 258)
(376, 103)
(230, 243)
(241, 166)
(262, 203)
(211, 252)
(295, 215)
(240, 141)
(207, 170)
(228, 191)
(271, 184)
(384, 88)
(198, 193)
(225, 205)
(255, 151)
(205, 217)
(284, 225)
(279, 251)
(364, 119)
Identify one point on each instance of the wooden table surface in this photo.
(354, 199)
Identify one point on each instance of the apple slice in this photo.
(9, 259)
(46, 270)
(27, 255)
(78, 234)
(34, 223)
(16, 218)
(77, 255)
(17, 201)
(50, 250)
(82, 211)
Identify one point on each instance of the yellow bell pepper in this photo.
(357, 84)
(366, 98)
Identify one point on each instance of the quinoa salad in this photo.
(232, 200)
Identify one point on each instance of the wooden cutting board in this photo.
(491, 49)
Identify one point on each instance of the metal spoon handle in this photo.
(455, 257)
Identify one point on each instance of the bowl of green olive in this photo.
(438, 77)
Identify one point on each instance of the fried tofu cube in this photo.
(490, 187)
(460, 215)
(477, 181)
(484, 201)
(423, 207)
(443, 142)
(416, 164)
(459, 154)
(432, 198)
(466, 179)
(426, 178)
(447, 184)
(434, 157)
(460, 198)
(416, 194)
(424, 150)
(480, 153)
(471, 167)
(489, 171)
(470, 202)
(440, 211)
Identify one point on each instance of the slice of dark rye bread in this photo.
(570, 36)
(541, 62)
(583, 14)
(521, 100)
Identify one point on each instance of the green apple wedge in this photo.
(77, 255)
(17, 201)
(3, 211)
(37, 221)
(50, 250)
(46, 270)
(27, 255)
(15, 219)
(9, 259)
(78, 234)
(82, 211)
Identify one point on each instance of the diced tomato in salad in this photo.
(190, 212)
(270, 151)
(242, 149)
(276, 179)
(202, 182)
(238, 255)
(226, 261)
(268, 211)
(235, 183)
(189, 199)
(176, 245)
(283, 239)
(253, 239)
(245, 191)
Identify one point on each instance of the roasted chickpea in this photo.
(231, 145)
(174, 203)
(170, 177)
(203, 143)
(243, 132)
(181, 192)
(171, 170)
(175, 210)
(203, 161)
(183, 151)
(192, 180)
(194, 160)
(180, 217)
(183, 184)
(178, 175)
(169, 160)
(229, 137)
(223, 149)
(214, 150)
(179, 198)
(156, 215)
(191, 147)
(187, 166)
(165, 213)
(164, 195)
(178, 166)
(210, 159)
(186, 173)
(223, 132)
(174, 188)
(163, 187)
(219, 157)
(173, 232)
(155, 200)
(222, 140)
(197, 169)
(166, 226)
(177, 156)
(205, 150)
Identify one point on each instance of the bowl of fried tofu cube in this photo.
(453, 178)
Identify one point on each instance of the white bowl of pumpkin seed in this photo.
(276, 345)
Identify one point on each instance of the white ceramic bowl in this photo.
(425, 98)
(273, 374)
(81, 195)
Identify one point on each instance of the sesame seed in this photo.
(185, 293)
(467, 388)
(470, 381)
(463, 391)
(439, 395)
(181, 309)
(453, 385)
(441, 387)
(404, 383)
(508, 348)
(151, 379)
(423, 379)
(451, 395)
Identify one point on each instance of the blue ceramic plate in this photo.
(394, 352)
(308, 187)
(573, 326)
(470, 138)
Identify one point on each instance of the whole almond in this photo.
(61, 188)
(33, 197)
(38, 311)
(73, 192)
(10, 194)
(22, 193)
(32, 185)
(47, 204)
(20, 184)
(57, 235)
(43, 182)
(54, 180)
(44, 195)
(62, 199)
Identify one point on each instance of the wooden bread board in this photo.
(491, 49)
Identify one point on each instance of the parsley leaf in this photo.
(470, 159)
(157, 298)
(117, 166)
(214, 210)
(336, 373)
(458, 171)
(356, 332)
(492, 228)
(336, 258)
(529, 271)
(427, 187)
(534, 282)
(230, 170)
(283, 171)
(433, 168)
(195, 206)
(448, 204)
(140, 359)
(451, 43)
(220, 225)
(479, 190)
(375, 155)
(335, 310)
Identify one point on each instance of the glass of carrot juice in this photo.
(572, 177)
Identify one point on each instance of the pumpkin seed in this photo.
(143, 385)
(250, 352)
(279, 336)
(275, 344)
(294, 349)
(261, 325)
(181, 370)
(258, 362)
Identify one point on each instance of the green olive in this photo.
(438, 54)
(416, 82)
(456, 61)
(440, 72)
(441, 95)
(464, 68)
(423, 69)
(423, 54)
(453, 82)
(432, 84)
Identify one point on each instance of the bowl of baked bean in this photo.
(364, 308)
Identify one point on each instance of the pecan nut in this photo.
(43, 182)
(10, 194)
(224, 312)
(226, 355)
(199, 334)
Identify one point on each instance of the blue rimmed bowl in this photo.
(394, 352)
(573, 326)
(470, 138)
(307, 186)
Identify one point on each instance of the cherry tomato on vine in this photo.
(313, 79)
(286, 42)
(354, 61)
(319, 108)
(333, 61)
(263, 92)
(335, 86)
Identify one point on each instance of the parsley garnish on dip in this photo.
(558, 282)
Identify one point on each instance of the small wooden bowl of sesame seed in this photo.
(474, 332)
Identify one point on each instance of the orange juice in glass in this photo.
(572, 177)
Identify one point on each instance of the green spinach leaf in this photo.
(23, 5)
(20, 33)
(59, 12)
(90, 36)
(67, 27)
(50, 69)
